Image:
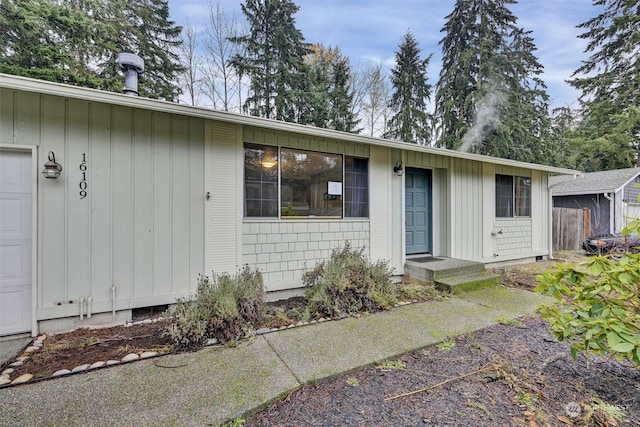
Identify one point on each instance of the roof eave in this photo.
(76, 92)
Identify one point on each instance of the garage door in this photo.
(15, 242)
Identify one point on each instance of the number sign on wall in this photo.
(83, 181)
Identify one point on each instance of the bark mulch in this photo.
(505, 375)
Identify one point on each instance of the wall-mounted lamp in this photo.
(52, 169)
(397, 169)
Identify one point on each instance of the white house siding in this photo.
(523, 237)
(140, 227)
(467, 209)
(516, 237)
(224, 167)
(386, 199)
(284, 249)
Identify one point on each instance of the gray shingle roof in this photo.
(592, 182)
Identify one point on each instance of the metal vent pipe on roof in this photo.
(132, 65)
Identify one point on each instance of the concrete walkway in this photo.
(10, 346)
(218, 384)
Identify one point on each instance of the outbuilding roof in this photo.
(593, 182)
(93, 95)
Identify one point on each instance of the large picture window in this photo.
(292, 183)
(513, 196)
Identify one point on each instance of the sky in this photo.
(370, 31)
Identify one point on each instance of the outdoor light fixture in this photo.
(397, 169)
(52, 169)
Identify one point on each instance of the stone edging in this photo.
(38, 343)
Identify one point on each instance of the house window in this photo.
(304, 184)
(356, 184)
(260, 181)
(513, 196)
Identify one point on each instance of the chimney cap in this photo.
(130, 61)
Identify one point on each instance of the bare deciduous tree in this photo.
(191, 62)
(220, 83)
(375, 103)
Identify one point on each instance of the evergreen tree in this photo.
(341, 115)
(411, 122)
(272, 59)
(490, 98)
(78, 42)
(610, 85)
(143, 27)
(48, 40)
(328, 91)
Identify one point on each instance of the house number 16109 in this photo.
(83, 181)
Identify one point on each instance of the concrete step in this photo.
(435, 270)
(468, 282)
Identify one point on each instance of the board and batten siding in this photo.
(140, 226)
(467, 200)
(476, 233)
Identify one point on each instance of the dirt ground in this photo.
(512, 374)
(507, 375)
(82, 346)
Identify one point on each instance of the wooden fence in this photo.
(570, 228)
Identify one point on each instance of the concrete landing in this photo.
(448, 274)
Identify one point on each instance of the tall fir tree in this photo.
(328, 91)
(143, 27)
(49, 40)
(272, 59)
(490, 98)
(410, 122)
(610, 85)
(78, 42)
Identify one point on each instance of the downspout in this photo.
(550, 213)
(612, 211)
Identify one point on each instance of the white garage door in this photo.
(15, 242)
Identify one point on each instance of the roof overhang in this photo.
(92, 95)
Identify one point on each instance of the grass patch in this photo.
(391, 365)
(446, 345)
(353, 382)
(508, 321)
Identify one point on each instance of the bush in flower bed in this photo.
(224, 307)
(349, 283)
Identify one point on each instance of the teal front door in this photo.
(418, 211)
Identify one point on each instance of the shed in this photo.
(611, 196)
(151, 194)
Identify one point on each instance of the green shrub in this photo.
(348, 283)
(597, 307)
(224, 307)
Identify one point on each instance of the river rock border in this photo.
(6, 375)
